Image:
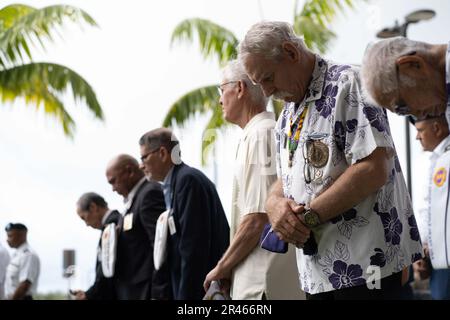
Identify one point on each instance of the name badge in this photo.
(128, 222)
(172, 228)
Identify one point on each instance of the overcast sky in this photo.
(137, 75)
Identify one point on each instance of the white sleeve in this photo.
(29, 268)
(259, 172)
(359, 127)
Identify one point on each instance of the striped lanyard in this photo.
(293, 139)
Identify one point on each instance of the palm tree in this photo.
(41, 83)
(215, 41)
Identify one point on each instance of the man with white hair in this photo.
(408, 77)
(255, 273)
(340, 195)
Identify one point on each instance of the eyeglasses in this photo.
(144, 157)
(220, 89)
(311, 171)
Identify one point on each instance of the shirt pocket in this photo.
(315, 152)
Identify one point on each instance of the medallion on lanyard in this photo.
(317, 153)
(293, 136)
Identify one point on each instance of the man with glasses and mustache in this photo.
(198, 228)
(254, 273)
(408, 77)
(340, 196)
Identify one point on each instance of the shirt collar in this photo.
(106, 217)
(315, 88)
(133, 191)
(23, 247)
(441, 148)
(314, 91)
(265, 115)
(167, 180)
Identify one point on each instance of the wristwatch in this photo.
(311, 218)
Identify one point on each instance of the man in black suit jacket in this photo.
(94, 211)
(135, 277)
(198, 227)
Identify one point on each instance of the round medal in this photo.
(317, 154)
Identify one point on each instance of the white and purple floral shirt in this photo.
(377, 237)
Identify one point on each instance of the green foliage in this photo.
(311, 21)
(57, 295)
(214, 40)
(41, 84)
(197, 101)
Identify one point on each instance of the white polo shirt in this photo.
(255, 171)
(24, 265)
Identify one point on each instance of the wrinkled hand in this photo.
(421, 269)
(284, 216)
(218, 274)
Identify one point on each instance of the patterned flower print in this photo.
(335, 72)
(414, 230)
(379, 258)
(351, 125)
(339, 135)
(376, 117)
(392, 225)
(346, 276)
(327, 103)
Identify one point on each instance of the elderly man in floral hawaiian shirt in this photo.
(340, 196)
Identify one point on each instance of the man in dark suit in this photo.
(135, 277)
(198, 227)
(94, 211)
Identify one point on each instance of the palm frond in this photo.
(209, 136)
(197, 101)
(21, 24)
(316, 36)
(10, 14)
(214, 40)
(44, 83)
(323, 12)
(313, 21)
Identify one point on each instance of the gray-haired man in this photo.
(340, 196)
(408, 77)
(255, 273)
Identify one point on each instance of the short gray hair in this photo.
(91, 197)
(379, 69)
(161, 137)
(234, 71)
(266, 38)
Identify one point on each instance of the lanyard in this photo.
(293, 139)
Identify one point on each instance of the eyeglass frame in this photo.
(144, 157)
(308, 166)
(219, 87)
